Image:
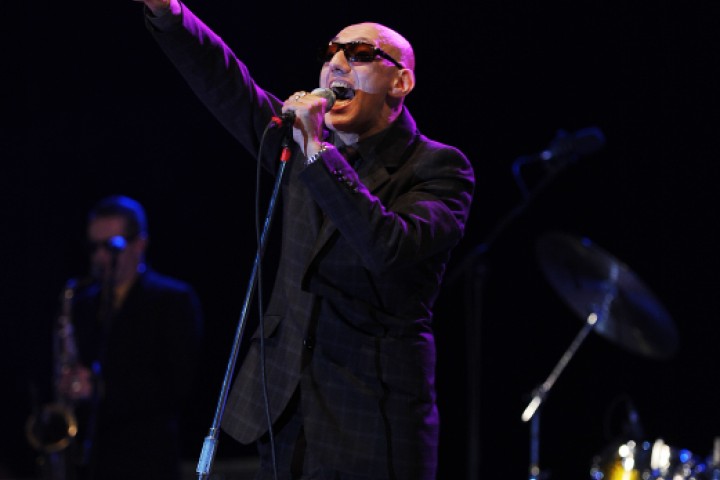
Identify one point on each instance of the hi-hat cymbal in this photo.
(590, 280)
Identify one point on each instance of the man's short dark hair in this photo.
(121, 206)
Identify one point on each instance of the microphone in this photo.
(116, 244)
(570, 146)
(563, 150)
(288, 118)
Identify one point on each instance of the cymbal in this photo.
(591, 280)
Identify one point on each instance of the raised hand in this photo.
(160, 7)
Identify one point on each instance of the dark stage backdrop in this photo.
(91, 107)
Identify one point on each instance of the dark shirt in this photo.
(145, 357)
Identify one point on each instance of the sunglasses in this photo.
(355, 52)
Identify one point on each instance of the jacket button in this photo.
(309, 343)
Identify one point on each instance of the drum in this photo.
(644, 460)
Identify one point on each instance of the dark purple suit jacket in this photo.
(363, 254)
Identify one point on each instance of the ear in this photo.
(403, 84)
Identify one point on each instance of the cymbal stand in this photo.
(532, 411)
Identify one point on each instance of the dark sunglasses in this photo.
(355, 52)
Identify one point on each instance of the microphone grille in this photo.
(327, 94)
(116, 243)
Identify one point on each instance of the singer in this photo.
(371, 211)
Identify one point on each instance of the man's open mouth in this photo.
(342, 91)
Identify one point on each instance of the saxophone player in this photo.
(138, 336)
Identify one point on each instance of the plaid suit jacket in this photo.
(363, 253)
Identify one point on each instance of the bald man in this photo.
(372, 209)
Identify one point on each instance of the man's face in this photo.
(367, 111)
(100, 230)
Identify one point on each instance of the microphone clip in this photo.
(564, 149)
(284, 120)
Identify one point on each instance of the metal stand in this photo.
(107, 316)
(207, 455)
(475, 269)
(532, 411)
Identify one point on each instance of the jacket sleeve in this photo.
(218, 78)
(420, 212)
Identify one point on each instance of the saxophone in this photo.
(53, 427)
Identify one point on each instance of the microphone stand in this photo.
(475, 267)
(475, 270)
(107, 314)
(207, 454)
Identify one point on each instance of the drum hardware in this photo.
(643, 460)
(611, 300)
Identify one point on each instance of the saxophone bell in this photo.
(52, 429)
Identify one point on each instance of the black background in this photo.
(91, 107)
